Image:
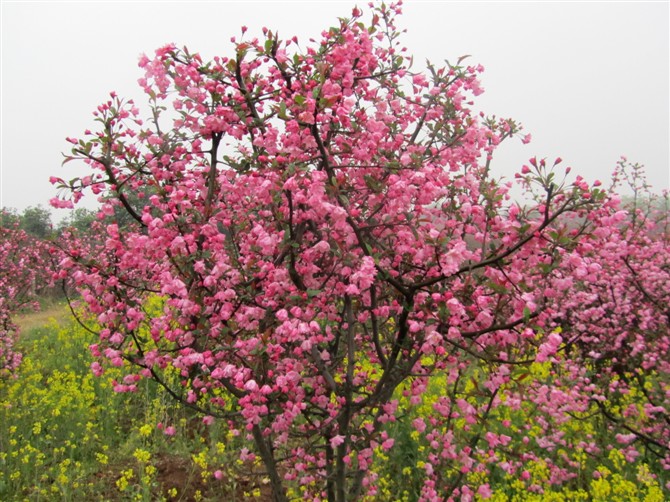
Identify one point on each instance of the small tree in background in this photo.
(326, 235)
(23, 273)
(80, 219)
(36, 221)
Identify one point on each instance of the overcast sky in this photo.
(588, 80)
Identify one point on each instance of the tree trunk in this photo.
(265, 449)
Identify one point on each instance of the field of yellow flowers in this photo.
(66, 435)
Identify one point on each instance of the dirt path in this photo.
(32, 320)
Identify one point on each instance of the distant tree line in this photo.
(37, 221)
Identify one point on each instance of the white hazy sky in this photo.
(588, 80)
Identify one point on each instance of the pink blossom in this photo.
(484, 491)
(251, 386)
(335, 441)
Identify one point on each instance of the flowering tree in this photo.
(616, 321)
(22, 265)
(325, 234)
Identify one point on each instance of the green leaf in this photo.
(282, 111)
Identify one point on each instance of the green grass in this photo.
(30, 321)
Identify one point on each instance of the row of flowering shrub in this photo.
(25, 270)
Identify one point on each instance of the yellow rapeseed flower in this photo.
(200, 459)
(142, 456)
